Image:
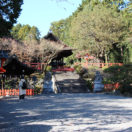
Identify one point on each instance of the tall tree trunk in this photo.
(130, 54)
(106, 58)
(48, 62)
(121, 54)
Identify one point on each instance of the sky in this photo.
(41, 13)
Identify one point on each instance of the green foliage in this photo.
(38, 89)
(36, 74)
(78, 68)
(90, 85)
(25, 32)
(88, 75)
(98, 30)
(38, 84)
(105, 67)
(9, 12)
(115, 71)
(127, 56)
(123, 75)
(58, 29)
(15, 31)
(11, 83)
(91, 72)
(115, 56)
(107, 81)
(100, 27)
(130, 54)
(49, 68)
(70, 60)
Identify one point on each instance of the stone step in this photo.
(69, 82)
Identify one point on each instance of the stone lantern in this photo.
(98, 86)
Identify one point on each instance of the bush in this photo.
(78, 68)
(11, 83)
(105, 67)
(91, 72)
(70, 60)
(37, 90)
(123, 75)
(90, 85)
(49, 68)
(83, 71)
(88, 75)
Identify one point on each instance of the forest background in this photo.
(100, 28)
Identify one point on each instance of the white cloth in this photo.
(21, 91)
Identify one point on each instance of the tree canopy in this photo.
(25, 32)
(102, 28)
(98, 30)
(9, 12)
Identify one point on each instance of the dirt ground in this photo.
(66, 113)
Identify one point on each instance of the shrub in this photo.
(49, 68)
(70, 60)
(105, 67)
(90, 85)
(11, 83)
(83, 71)
(37, 90)
(123, 75)
(78, 68)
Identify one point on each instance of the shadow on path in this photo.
(84, 112)
(70, 82)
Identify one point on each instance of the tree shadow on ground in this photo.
(72, 86)
(27, 128)
(48, 111)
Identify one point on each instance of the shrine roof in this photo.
(65, 51)
(14, 67)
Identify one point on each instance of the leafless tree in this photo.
(48, 50)
(26, 51)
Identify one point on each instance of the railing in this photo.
(100, 65)
(38, 66)
(61, 68)
(15, 92)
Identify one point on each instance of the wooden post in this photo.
(2, 88)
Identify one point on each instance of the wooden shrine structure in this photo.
(65, 52)
(14, 67)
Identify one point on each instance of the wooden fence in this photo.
(15, 92)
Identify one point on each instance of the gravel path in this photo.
(66, 113)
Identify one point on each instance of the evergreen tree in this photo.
(98, 30)
(9, 12)
(25, 32)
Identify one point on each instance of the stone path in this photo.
(66, 113)
(70, 82)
